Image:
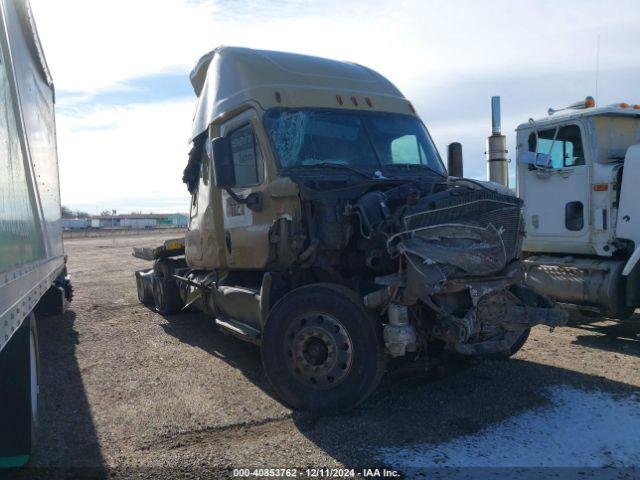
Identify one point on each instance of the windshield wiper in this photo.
(409, 166)
(331, 165)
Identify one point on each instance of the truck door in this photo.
(246, 231)
(555, 194)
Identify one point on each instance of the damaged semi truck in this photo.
(325, 228)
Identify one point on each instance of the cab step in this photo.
(239, 329)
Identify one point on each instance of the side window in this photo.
(195, 171)
(564, 144)
(247, 159)
(406, 149)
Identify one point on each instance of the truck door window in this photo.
(247, 158)
(565, 151)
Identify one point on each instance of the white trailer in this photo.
(32, 262)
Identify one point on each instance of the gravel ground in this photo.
(127, 392)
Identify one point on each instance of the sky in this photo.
(124, 101)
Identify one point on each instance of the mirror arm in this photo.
(253, 201)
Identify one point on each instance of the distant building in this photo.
(179, 220)
(76, 223)
(141, 220)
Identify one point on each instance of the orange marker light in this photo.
(636, 107)
(589, 102)
(600, 187)
(623, 105)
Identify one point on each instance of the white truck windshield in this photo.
(362, 140)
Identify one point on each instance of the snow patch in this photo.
(577, 429)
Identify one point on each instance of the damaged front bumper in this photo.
(477, 299)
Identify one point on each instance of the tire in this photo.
(623, 313)
(590, 313)
(68, 291)
(19, 395)
(531, 298)
(166, 292)
(517, 345)
(166, 296)
(321, 349)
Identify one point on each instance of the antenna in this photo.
(597, 67)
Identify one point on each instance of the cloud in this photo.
(460, 110)
(126, 157)
(94, 45)
(119, 62)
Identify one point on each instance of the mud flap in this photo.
(144, 286)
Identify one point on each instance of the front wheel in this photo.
(321, 349)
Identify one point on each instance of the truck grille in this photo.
(478, 209)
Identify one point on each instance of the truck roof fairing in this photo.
(574, 114)
(228, 77)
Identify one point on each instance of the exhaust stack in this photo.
(497, 162)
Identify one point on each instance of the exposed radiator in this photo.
(479, 209)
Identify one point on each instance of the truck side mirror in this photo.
(454, 159)
(223, 168)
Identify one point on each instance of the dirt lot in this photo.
(128, 392)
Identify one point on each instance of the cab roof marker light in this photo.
(588, 102)
(636, 107)
(623, 105)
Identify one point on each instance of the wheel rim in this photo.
(319, 350)
(33, 375)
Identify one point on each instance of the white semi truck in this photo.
(33, 277)
(576, 171)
